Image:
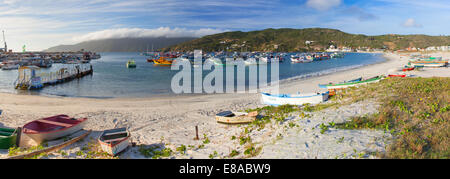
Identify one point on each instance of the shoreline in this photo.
(171, 120)
(286, 81)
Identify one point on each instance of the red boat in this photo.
(408, 69)
(149, 60)
(401, 76)
(53, 127)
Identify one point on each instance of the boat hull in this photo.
(429, 64)
(55, 132)
(8, 138)
(116, 147)
(277, 100)
(238, 118)
(351, 84)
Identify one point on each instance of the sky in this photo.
(40, 24)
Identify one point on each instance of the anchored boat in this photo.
(299, 99)
(162, 61)
(53, 127)
(131, 64)
(114, 141)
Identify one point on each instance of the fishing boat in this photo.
(53, 127)
(298, 59)
(131, 64)
(251, 61)
(215, 61)
(350, 83)
(8, 138)
(231, 117)
(162, 61)
(114, 141)
(298, 99)
(401, 76)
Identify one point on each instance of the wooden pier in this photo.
(29, 79)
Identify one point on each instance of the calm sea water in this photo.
(111, 78)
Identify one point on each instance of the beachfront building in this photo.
(332, 48)
(439, 48)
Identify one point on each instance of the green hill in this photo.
(295, 40)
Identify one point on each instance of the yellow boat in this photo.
(162, 61)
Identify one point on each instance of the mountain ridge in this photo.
(288, 39)
(121, 44)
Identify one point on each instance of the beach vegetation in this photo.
(243, 140)
(182, 149)
(414, 110)
(233, 153)
(213, 155)
(155, 152)
(206, 141)
(13, 151)
(201, 146)
(251, 150)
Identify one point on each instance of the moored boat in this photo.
(114, 141)
(298, 99)
(163, 61)
(131, 64)
(53, 127)
(231, 117)
(8, 138)
(10, 66)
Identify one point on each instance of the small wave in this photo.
(322, 73)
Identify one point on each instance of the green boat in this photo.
(352, 83)
(8, 138)
(131, 64)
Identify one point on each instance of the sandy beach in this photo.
(171, 120)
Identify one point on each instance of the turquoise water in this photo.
(112, 79)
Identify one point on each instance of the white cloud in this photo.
(323, 5)
(139, 33)
(411, 23)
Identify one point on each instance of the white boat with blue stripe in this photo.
(298, 99)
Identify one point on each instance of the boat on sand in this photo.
(8, 138)
(53, 127)
(401, 76)
(351, 83)
(231, 117)
(298, 99)
(114, 141)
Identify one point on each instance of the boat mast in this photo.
(6, 47)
